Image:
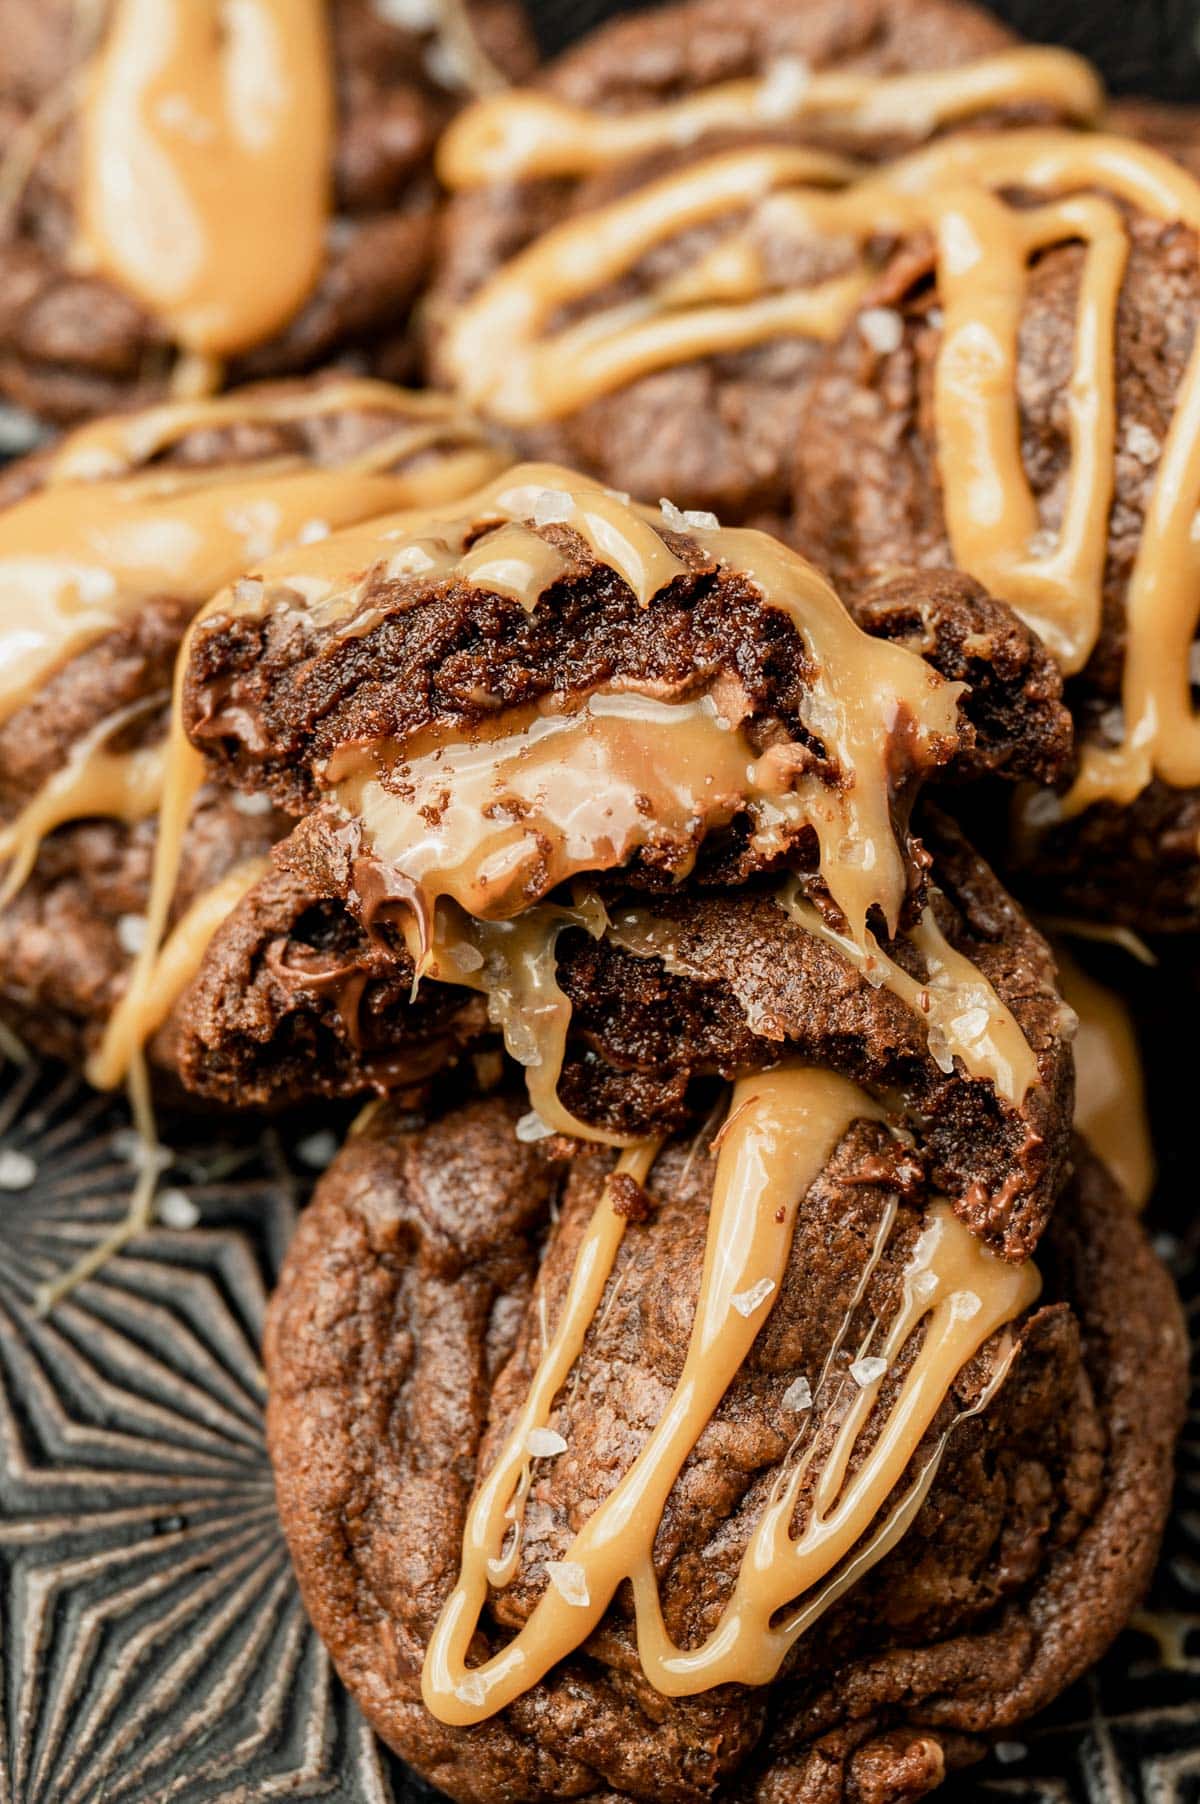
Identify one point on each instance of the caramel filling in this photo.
(782, 1128)
(1110, 1096)
(110, 531)
(524, 135)
(206, 129)
(515, 364)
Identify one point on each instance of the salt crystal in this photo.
(971, 1025)
(569, 1579)
(471, 1690)
(444, 63)
(866, 1370)
(131, 933)
(1112, 724)
(798, 1396)
(1042, 543)
(674, 516)
(701, 520)
(1141, 443)
(409, 15)
(410, 560)
(923, 1285)
(531, 1127)
(553, 507)
(312, 531)
(259, 802)
(248, 592)
(545, 1443)
(939, 1048)
(175, 1209)
(964, 1304)
(316, 1150)
(1043, 808)
(882, 328)
(19, 431)
(781, 92)
(1009, 1751)
(17, 1170)
(747, 1301)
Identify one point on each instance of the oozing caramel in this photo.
(205, 128)
(515, 364)
(781, 1130)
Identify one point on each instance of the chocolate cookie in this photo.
(644, 788)
(628, 275)
(1061, 470)
(139, 518)
(1005, 1543)
(140, 195)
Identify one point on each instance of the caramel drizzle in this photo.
(782, 1128)
(204, 128)
(109, 532)
(1110, 1093)
(503, 352)
(964, 1017)
(525, 135)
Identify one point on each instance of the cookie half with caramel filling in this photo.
(735, 1471)
(637, 791)
(142, 195)
(109, 544)
(633, 277)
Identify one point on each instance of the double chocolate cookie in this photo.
(953, 1565)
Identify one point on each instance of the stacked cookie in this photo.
(716, 1361)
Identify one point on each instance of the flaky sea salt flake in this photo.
(545, 1443)
(747, 1301)
(252, 802)
(781, 92)
(131, 933)
(569, 1579)
(883, 329)
(866, 1370)
(553, 507)
(798, 1396)
(531, 1127)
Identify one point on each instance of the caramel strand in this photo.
(203, 127)
(781, 1130)
(526, 135)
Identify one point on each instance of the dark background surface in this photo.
(1140, 46)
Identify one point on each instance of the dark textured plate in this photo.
(152, 1644)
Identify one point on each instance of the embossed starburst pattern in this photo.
(154, 1646)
